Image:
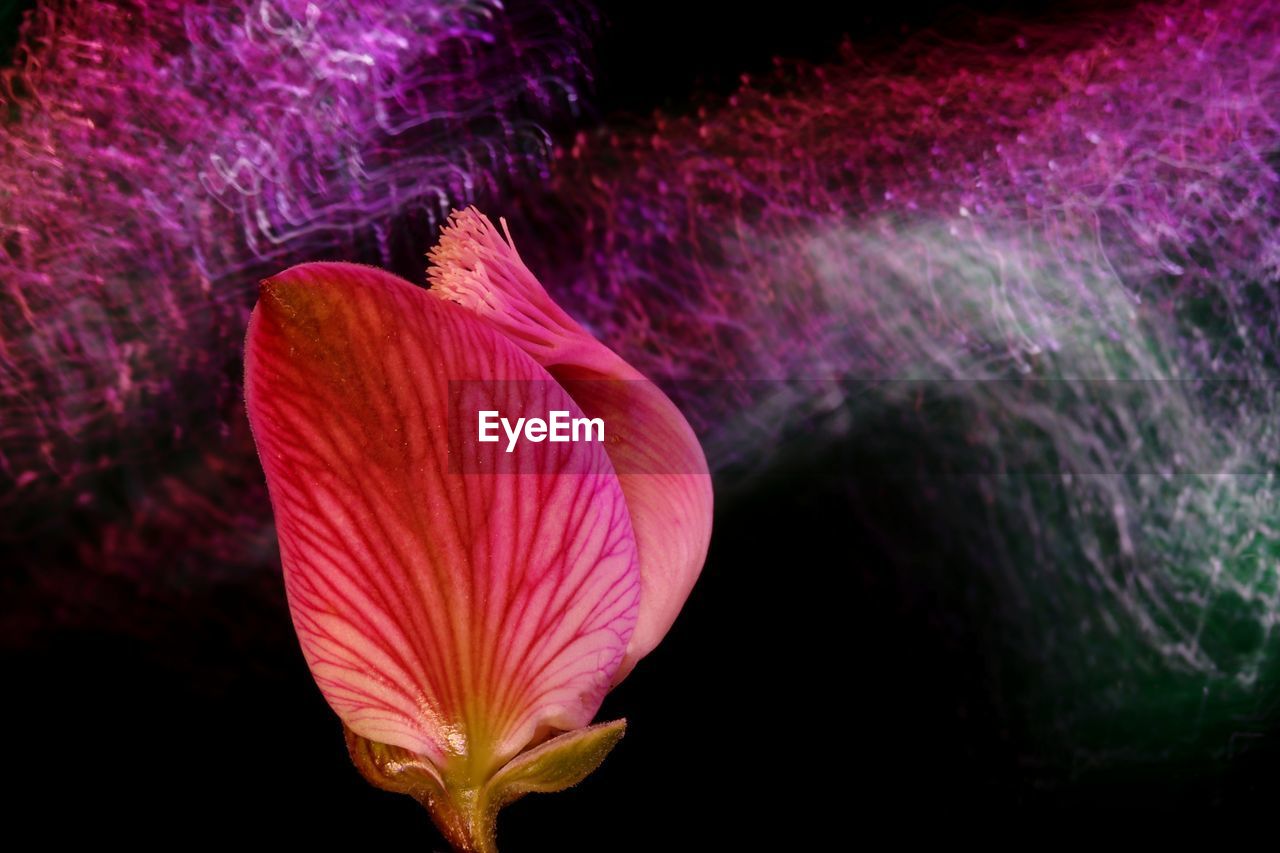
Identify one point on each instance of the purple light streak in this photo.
(1067, 241)
(159, 157)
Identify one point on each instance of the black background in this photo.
(817, 685)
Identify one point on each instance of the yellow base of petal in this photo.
(466, 814)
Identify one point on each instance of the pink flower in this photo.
(465, 609)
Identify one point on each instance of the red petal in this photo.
(452, 614)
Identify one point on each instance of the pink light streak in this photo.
(159, 157)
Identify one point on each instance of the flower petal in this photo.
(451, 613)
(660, 464)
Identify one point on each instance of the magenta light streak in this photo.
(159, 157)
(1067, 237)
(940, 210)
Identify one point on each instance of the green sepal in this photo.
(467, 815)
(560, 763)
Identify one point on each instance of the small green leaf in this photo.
(559, 763)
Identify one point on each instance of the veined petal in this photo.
(660, 464)
(451, 613)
